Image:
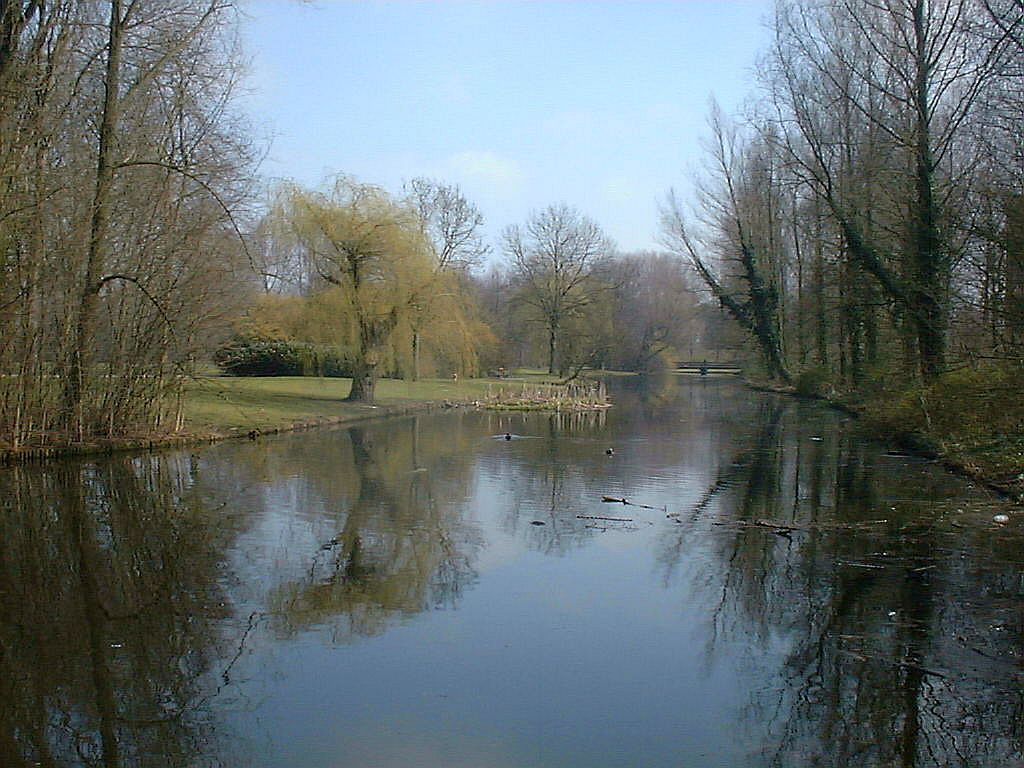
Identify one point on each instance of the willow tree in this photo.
(357, 241)
(452, 227)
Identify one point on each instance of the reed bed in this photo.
(574, 396)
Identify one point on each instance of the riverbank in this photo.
(971, 420)
(224, 407)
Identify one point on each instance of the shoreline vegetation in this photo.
(224, 407)
(955, 421)
(970, 420)
(574, 396)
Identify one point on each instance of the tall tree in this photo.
(736, 207)
(371, 248)
(556, 259)
(452, 227)
(122, 159)
(909, 71)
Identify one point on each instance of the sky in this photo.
(599, 105)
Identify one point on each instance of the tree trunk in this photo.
(364, 382)
(801, 335)
(818, 278)
(552, 348)
(764, 308)
(80, 357)
(372, 334)
(415, 355)
(930, 268)
(364, 371)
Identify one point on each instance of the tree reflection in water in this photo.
(109, 574)
(866, 620)
(124, 613)
(397, 552)
(894, 652)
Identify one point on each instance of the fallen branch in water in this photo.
(1010, 662)
(612, 519)
(628, 503)
(790, 527)
(853, 564)
(900, 664)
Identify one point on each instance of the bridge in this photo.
(704, 367)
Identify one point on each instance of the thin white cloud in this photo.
(490, 168)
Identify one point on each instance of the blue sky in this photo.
(600, 105)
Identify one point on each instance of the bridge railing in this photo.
(708, 366)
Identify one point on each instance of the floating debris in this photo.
(628, 503)
(611, 519)
(861, 565)
(777, 526)
(1001, 519)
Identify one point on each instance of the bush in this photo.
(961, 410)
(812, 382)
(251, 356)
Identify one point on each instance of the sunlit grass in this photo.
(226, 404)
(223, 404)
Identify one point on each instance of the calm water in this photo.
(418, 593)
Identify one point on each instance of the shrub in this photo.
(812, 382)
(960, 407)
(253, 356)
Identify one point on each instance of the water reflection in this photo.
(398, 551)
(870, 602)
(416, 591)
(111, 595)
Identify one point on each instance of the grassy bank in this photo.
(220, 405)
(972, 419)
(217, 407)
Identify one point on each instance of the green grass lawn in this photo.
(225, 404)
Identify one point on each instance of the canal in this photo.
(424, 592)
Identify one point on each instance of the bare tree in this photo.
(910, 73)
(736, 205)
(655, 309)
(452, 226)
(555, 259)
(130, 166)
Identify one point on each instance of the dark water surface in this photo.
(386, 595)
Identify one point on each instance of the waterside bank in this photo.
(971, 421)
(221, 407)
